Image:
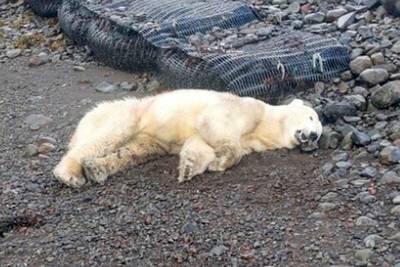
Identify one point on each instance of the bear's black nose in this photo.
(313, 136)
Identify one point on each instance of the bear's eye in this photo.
(311, 118)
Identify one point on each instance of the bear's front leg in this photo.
(69, 172)
(226, 156)
(141, 150)
(195, 157)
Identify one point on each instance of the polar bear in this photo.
(209, 130)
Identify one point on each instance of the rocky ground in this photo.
(336, 206)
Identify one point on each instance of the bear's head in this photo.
(302, 123)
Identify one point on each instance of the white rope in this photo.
(317, 58)
(280, 67)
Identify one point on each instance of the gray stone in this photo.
(294, 7)
(396, 200)
(46, 148)
(106, 87)
(364, 255)
(390, 155)
(190, 228)
(347, 141)
(152, 86)
(297, 24)
(365, 32)
(358, 100)
(395, 237)
(395, 210)
(345, 20)
(370, 172)
(366, 221)
(372, 240)
(329, 139)
(327, 206)
(390, 177)
(317, 17)
(334, 14)
(374, 76)
(396, 48)
(378, 58)
(360, 182)
(360, 64)
(38, 60)
(13, 53)
(366, 197)
(218, 250)
(387, 95)
(128, 86)
(31, 150)
(330, 196)
(356, 52)
(360, 138)
(344, 164)
(265, 31)
(37, 121)
(346, 76)
(78, 68)
(340, 156)
(327, 169)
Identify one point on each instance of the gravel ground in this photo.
(336, 206)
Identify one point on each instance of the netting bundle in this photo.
(164, 36)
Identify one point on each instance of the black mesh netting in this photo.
(46, 8)
(161, 35)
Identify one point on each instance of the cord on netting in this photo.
(318, 59)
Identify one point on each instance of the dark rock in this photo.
(387, 95)
(336, 110)
(360, 138)
(392, 6)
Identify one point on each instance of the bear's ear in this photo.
(297, 102)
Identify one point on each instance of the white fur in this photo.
(208, 129)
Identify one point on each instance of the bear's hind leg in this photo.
(140, 150)
(195, 157)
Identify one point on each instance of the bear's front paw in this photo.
(225, 157)
(69, 175)
(94, 171)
